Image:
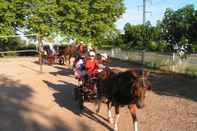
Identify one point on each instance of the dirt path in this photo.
(30, 101)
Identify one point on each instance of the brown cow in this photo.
(125, 88)
(74, 51)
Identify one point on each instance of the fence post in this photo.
(173, 61)
(40, 52)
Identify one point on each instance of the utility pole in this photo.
(40, 49)
(144, 6)
(144, 11)
(144, 20)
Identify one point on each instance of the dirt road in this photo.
(30, 101)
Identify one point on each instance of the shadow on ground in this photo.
(16, 111)
(29, 68)
(64, 71)
(171, 84)
(65, 98)
(164, 83)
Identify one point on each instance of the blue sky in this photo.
(133, 15)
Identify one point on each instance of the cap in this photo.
(104, 56)
(92, 53)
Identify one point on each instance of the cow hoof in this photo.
(116, 128)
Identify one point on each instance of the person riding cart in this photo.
(79, 69)
(103, 62)
(91, 66)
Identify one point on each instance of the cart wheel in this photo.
(61, 60)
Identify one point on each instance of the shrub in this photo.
(194, 47)
(162, 46)
(152, 46)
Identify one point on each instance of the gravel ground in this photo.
(31, 101)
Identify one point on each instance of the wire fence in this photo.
(164, 61)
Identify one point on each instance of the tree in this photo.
(138, 36)
(89, 18)
(78, 18)
(7, 18)
(179, 24)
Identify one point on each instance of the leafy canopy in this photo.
(86, 18)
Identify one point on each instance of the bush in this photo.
(139, 45)
(106, 47)
(194, 47)
(28, 47)
(152, 46)
(162, 46)
(191, 71)
(22, 47)
(11, 54)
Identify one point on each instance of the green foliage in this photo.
(83, 19)
(138, 36)
(163, 46)
(7, 18)
(152, 46)
(10, 44)
(191, 71)
(194, 47)
(179, 24)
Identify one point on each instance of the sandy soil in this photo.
(31, 101)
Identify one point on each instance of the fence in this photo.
(19, 51)
(159, 60)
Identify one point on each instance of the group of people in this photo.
(90, 65)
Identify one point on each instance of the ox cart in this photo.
(55, 56)
(86, 91)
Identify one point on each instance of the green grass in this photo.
(191, 70)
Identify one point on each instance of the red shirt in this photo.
(91, 66)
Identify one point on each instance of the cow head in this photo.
(139, 86)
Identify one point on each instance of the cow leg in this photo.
(69, 59)
(66, 59)
(133, 110)
(135, 121)
(109, 105)
(116, 118)
(98, 106)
